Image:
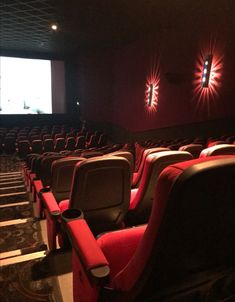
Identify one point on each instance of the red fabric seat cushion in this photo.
(64, 205)
(119, 246)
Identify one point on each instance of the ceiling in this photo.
(88, 24)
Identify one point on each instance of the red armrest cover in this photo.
(50, 202)
(86, 245)
(37, 185)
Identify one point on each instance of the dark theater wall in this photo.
(112, 84)
(181, 99)
(94, 85)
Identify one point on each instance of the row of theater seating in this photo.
(101, 187)
(193, 145)
(54, 172)
(95, 141)
(175, 144)
(73, 137)
(184, 253)
(42, 140)
(30, 132)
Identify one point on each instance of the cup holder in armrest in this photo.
(71, 214)
(67, 216)
(44, 190)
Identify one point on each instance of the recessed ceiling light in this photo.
(54, 27)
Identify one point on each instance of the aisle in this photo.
(23, 276)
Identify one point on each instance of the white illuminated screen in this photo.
(25, 86)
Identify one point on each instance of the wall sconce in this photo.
(206, 70)
(150, 95)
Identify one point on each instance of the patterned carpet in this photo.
(17, 284)
(13, 199)
(21, 211)
(19, 236)
(29, 280)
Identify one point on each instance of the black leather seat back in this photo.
(62, 175)
(101, 188)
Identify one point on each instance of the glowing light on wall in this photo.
(205, 96)
(152, 89)
(206, 72)
(151, 94)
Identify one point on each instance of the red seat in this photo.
(146, 152)
(61, 176)
(93, 141)
(194, 149)
(139, 151)
(88, 135)
(101, 188)
(10, 144)
(70, 144)
(230, 139)
(33, 137)
(59, 135)
(23, 148)
(45, 179)
(29, 169)
(37, 146)
(91, 153)
(33, 166)
(191, 231)
(46, 136)
(126, 154)
(103, 139)
(142, 197)
(59, 144)
(222, 149)
(80, 142)
(48, 145)
(216, 142)
(61, 180)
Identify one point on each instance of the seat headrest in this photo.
(222, 149)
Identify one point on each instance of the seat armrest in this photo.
(37, 183)
(50, 203)
(90, 254)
